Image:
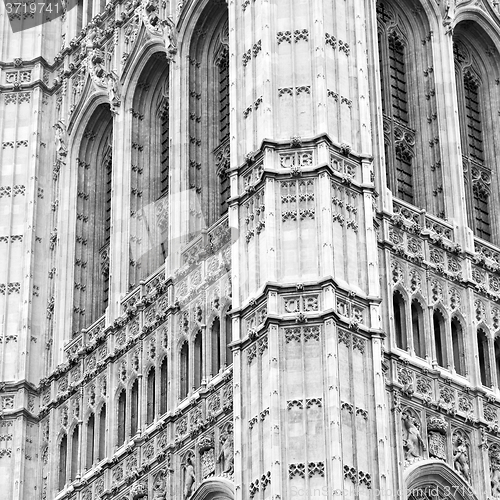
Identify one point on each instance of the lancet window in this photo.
(93, 220)
(149, 172)
(209, 157)
(411, 132)
(477, 138)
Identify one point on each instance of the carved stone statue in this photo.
(413, 439)
(112, 88)
(226, 455)
(449, 15)
(495, 480)
(61, 148)
(160, 486)
(138, 492)
(89, 44)
(170, 37)
(189, 478)
(461, 458)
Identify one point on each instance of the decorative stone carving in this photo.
(151, 17)
(461, 461)
(138, 491)
(449, 16)
(208, 463)
(412, 441)
(405, 378)
(95, 60)
(112, 88)
(60, 135)
(160, 485)
(189, 475)
(226, 454)
(64, 416)
(494, 455)
(437, 428)
(447, 399)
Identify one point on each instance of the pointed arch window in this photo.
(93, 220)
(122, 414)
(483, 358)
(134, 408)
(90, 441)
(209, 122)
(198, 360)
(163, 386)
(63, 452)
(399, 136)
(496, 346)
(102, 434)
(439, 338)
(410, 126)
(229, 338)
(75, 453)
(477, 171)
(165, 151)
(399, 309)
(457, 342)
(184, 370)
(222, 151)
(417, 326)
(216, 347)
(151, 397)
(149, 176)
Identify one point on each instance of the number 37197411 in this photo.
(31, 7)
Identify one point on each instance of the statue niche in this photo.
(461, 462)
(226, 454)
(189, 475)
(413, 444)
(494, 455)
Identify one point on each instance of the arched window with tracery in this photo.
(410, 126)
(93, 220)
(209, 117)
(475, 65)
(399, 136)
(150, 170)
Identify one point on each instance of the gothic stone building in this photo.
(250, 250)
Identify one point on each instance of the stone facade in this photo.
(250, 250)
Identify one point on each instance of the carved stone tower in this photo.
(250, 250)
